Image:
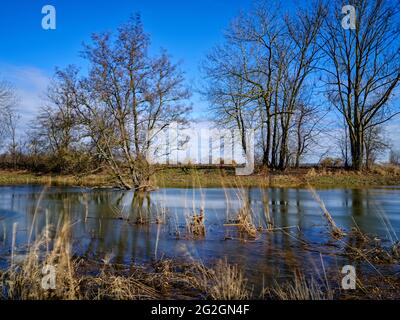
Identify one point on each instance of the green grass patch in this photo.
(216, 178)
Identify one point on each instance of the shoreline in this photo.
(177, 178)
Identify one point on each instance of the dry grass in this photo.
(386, 170)
(299, 288)
(120, 288)
(244, 219)
(84, 281)
(227, 283)
(364, 247)
(335, 230)
(195, 224)
(24, 177)
(114, 284)
(245, 222)
(24, 280)
(224, 282)
(79, 278)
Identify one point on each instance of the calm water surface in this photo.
(97, 231)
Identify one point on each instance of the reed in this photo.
(267, 212)
(223, 282)
(245, 222)
(335, 230)
(80, 278)
(299, 288)
(195, 224)
(244, 219)
(23, 280)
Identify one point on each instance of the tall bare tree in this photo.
(127, 95)
(242, 68)
(268, 56)
(364, 67)
(303, 56)
(230, 107)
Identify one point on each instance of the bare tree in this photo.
(56, 126)
(230, 107)
(375, 145)
(394, 157)
(307, 129)
(9, 118)
(344, 148)
(127, 95)
(364, 68)
(267, 57)
(11, 130)
(7, 110)
(242, 67)
(303, 32)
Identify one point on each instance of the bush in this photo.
(62, 163)
(386, 170)
(331, 162)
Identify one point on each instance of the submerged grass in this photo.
(195, 224)
(244, 222)
(335, 230)
(80, 278)
(85, 279)
(24, 280)
(364, 247)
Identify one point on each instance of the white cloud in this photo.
(30, 84)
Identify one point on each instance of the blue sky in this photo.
(186, 28)
(29, 54)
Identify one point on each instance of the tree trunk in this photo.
(283, 154)
(357, 150)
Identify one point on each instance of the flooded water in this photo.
(104, 223)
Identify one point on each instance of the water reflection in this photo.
(138, 228)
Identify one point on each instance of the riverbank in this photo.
(300, 178)
(214, 178)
